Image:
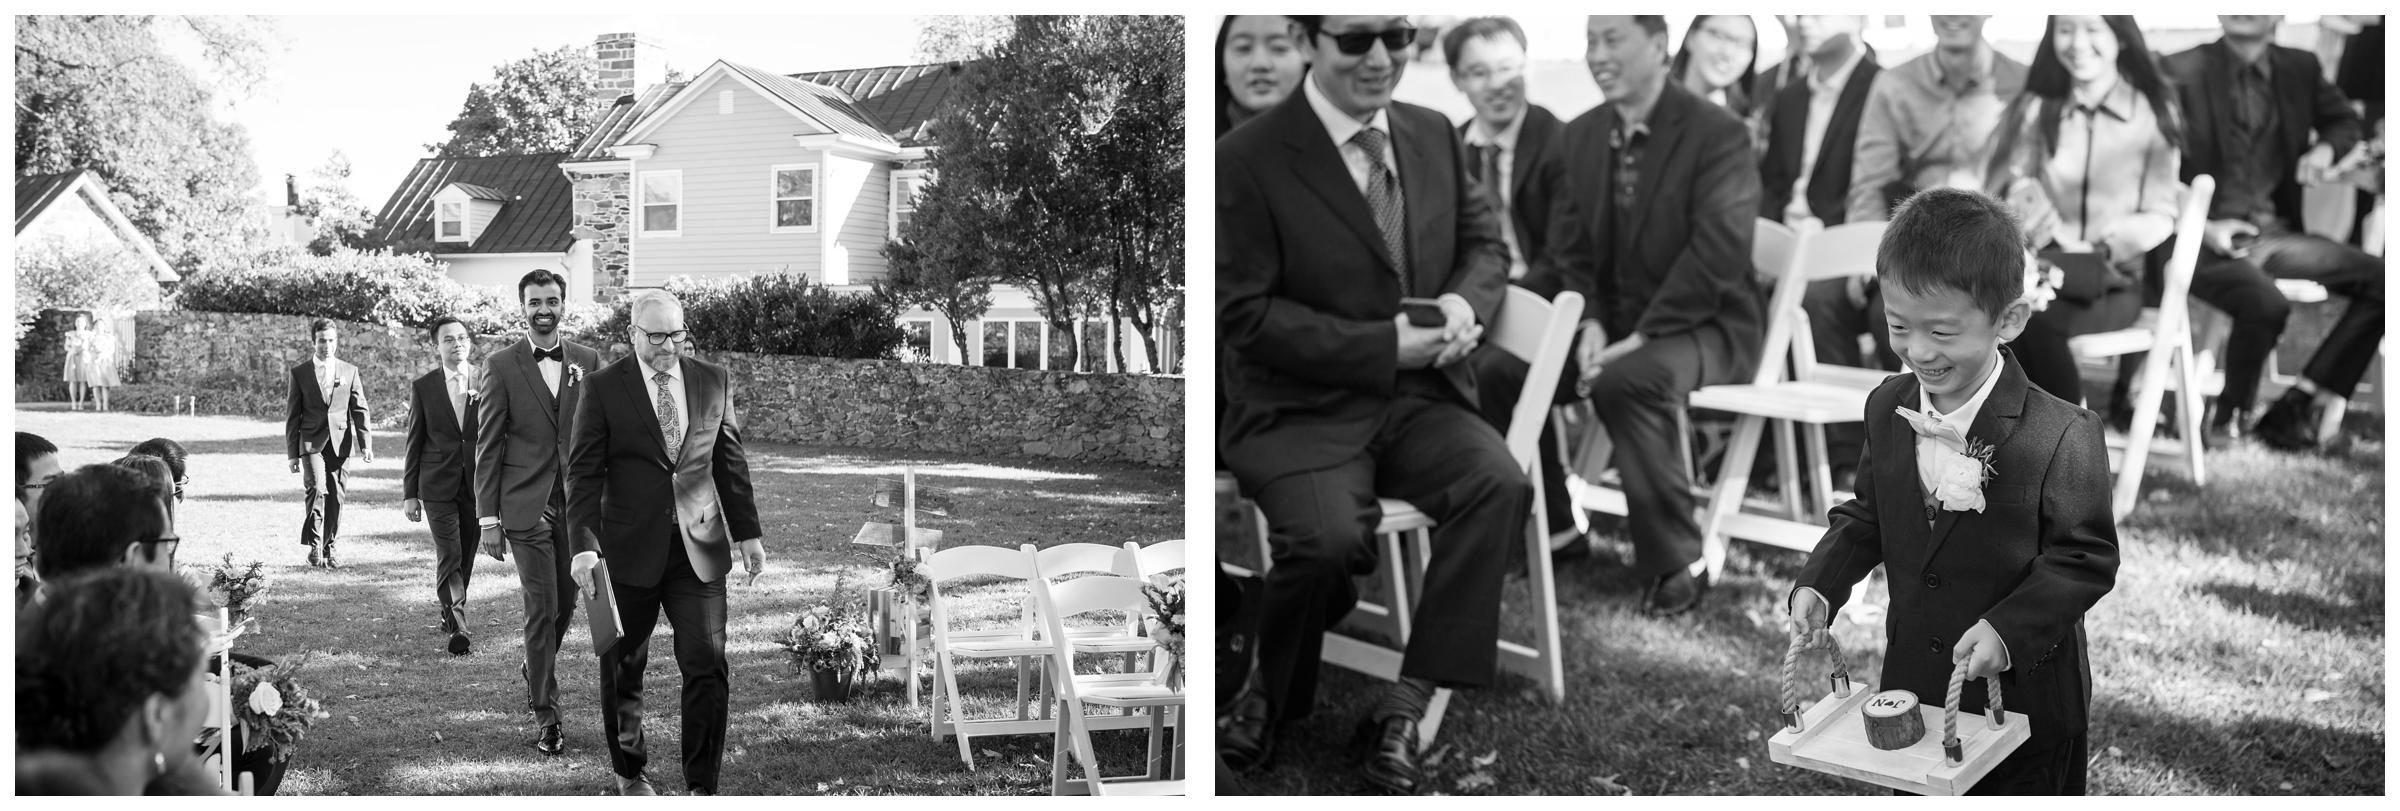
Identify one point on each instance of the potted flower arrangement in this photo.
(830, 645)
(1166, 626)
(271, 711)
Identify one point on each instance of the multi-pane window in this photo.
(451, 220)
(662, 203)
(906, 184)
(795, 198)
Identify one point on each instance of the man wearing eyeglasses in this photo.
(657, 485)
(1332, 209)
(523, 417)
(437, 475)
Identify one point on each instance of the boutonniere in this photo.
(574, 373)
(1961, 476)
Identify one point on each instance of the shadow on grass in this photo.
(2341, 613)
(2158, 752)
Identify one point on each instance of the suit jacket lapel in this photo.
(530, 371)
(1603, 209)
(638, 387)
(2219, 65)
(1317, 160)
(438, 388)
(1420, 193)
(1896, 473)
(1993, 426)
(1666, 133)
(697, 388)
(1530, 141)
(2294, 90)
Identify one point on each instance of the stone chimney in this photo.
(625, 63)
(291, 190)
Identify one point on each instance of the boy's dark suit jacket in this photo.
(2204, 83)
(440, 463)
(2036, 559)
(1829, 184)
(624, 496)
(1537, 180)
(307, 428)
(1306, 292)
(1684, 260)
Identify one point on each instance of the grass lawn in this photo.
(2242, 652)
(408, 718)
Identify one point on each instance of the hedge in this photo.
(777, 314)
(377, 287)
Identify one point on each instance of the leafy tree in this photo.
(959, 38)
(541, 103)
(941, 262)
(103, 92)
(1138, 161)
(61, 274)
(340, 220)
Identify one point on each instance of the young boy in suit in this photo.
(1985, 498)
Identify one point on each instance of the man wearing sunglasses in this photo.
(1332, 208)
(523, 414)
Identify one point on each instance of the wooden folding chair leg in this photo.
(1787, 471)
(2138, 436)
(2193, 402)
(1731, 480)
(1820, 472)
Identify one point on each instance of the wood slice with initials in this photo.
(1892, 720)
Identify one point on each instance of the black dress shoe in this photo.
(2286, 425)
(1246, 735)
(1677, 593)
(330, 563)
(459, 645)
(1392, 754)
(551, 742)
(2224, 428)
(315, 561)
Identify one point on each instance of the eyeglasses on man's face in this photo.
(1359, 42)
(661, 338)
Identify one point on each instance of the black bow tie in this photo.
(557, 353)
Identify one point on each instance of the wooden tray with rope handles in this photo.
(1832, 737)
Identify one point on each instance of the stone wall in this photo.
(603, 214)
(239, 363)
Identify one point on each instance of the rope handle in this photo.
(1952, 751)
(1840, 677)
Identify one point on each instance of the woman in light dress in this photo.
(100, 364)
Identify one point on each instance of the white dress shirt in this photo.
(457, 382)
(1505, 175)
(551, 369)
(1342, 127)
(675, 389)
(324, 367)
(1928, 462)
(1823, 95)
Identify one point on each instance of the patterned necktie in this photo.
(1487, 157)
(1383, 195)
(670, 423)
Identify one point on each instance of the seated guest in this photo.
(37, 466)
(1259, 64)
(1719, 60)
(1665, 197)
(112, 684)
(2253, 106)
(162, 482)
(100, 516)
(2086, 157)
(1335, 395)
(170, 452)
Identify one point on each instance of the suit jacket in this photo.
(522, 431)
(1537, 181)
(440, 462)
(2041, 553)
(624, 495)
(308, 428)
(2204, 82)
(1306, 292)
(1787, 131)
(1684, 259)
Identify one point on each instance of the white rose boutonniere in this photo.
(574, 373)
(266, 700)
(1961, 477)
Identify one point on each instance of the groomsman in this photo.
(437, 476)
(522, 425)
(327, 420)
(1333, 207)
(658, 486)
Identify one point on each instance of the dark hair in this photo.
(88, 518)
(537, 278)
(1310, 24)
(168, 451)
(1652, 24)
(94, 648)
(2047, 86)
(434, 330)
(1224, 85)
(317, 325)
(1455, 39)
(29, 448)
(160, 474)
(1954, 240)
(1683, 55)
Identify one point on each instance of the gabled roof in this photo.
(479, 192)
(887, 104)
(537, 203)
(39, 194)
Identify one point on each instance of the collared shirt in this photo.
(1342, 128)
(2247, 191)
(551, 369)
(1823, 95)
(1504, 180)
(324, 369)
(2112, 179)
(1630, 139)
(458, 382)
(1929, 128)
(675, 389)
(1928, 472)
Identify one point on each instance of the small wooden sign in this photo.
(876, 533)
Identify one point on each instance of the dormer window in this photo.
(450, 221)
(461, 210)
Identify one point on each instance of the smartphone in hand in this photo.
(1423, 312)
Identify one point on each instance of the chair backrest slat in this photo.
(1076, 558)
(1838, 252)
(978, 560)
(2174, 312)
(1540, 332)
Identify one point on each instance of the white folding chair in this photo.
(1834, 253)
(1055, 603)
(1152, 563)
(1539, 332)
(1013, 640)
(2165, 333)
(1091, 558)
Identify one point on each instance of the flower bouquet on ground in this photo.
(272, 707)
(830, 645)
(1166, 625)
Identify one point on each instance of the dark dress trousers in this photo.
(1677, 270)
(666, 527)
(439, 470)
(2033, 562)
(1320, 419)
(520, 452)
(1537, 192)
(322, 427)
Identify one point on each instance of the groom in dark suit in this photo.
(657, 485)
(327, 420)
(1331, 208)
(437, 475)
(523, 412)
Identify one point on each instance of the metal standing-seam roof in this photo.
(891, 104)
(537, 207)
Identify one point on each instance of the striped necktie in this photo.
(1383, 195)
